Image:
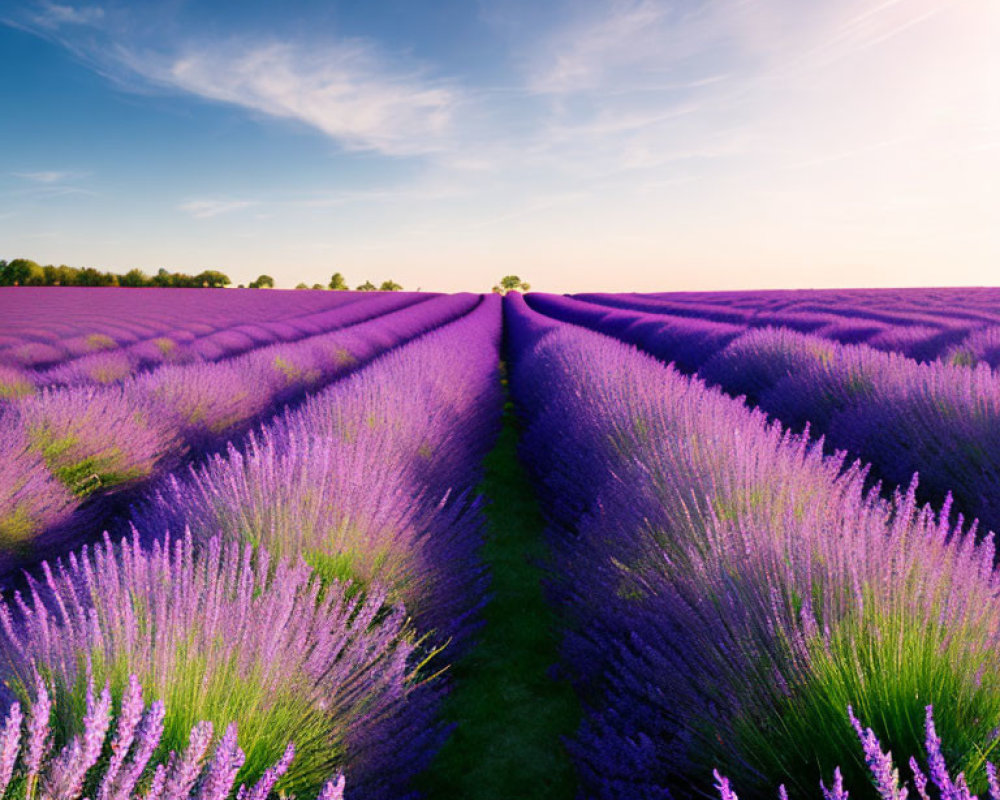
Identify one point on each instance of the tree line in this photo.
(24, 272)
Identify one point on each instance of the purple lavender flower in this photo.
(129, 716)
(718, 573)
(38, 742)
(224, 635)
(836, 791)
(10, 742)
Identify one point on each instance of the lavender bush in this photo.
(222, 634)
(729, 589)
(885, 776)
(94, 439)
(368, 479)
(134, 767)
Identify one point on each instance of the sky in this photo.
(586, 145)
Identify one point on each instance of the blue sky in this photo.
(616, 144)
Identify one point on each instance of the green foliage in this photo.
(262, 282)
(212, 278)
(24, 272)
(134, 278)
(83, 474)
(302, 285)
(390, 286)
(17, 529)
(21, 272)
(510, 283)
(367, 286)
(337, 282)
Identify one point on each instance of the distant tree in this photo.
(338, 283)
(162, 278)
(88, 276)
(241, 286)
(262, 282)
(367, 286)
(509, 283)
(318, 286)
(302, 286)
(212, 278)
(134, 278)
(390, 286)
(21, 272)
(68, 276)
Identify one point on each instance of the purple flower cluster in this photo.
(41, 328)
(369, 479)
(113, 365)
(94, 439)
(132, 769)
(918, 323)
(885, 775)
(728, 588)
(936, 419)
(980, 347)
(218, 633)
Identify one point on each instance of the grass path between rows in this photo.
(511, 715)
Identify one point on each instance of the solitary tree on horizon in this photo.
(263, 282)
(338, 283)
(510, 283)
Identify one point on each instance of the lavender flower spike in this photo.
(38, 736)
(991, 779)
(223, 767)
(886, 776)
(185, 772)
(148, 738)
(64, 778)
(919, 779)
(722, 784)
(332, 790)
(935, 760)
(129, 716)
(10, 742)
(837, 792)
(270, 777)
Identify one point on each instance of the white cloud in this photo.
(204, 209)
(49, 176)
(53, 15)
(342, 88)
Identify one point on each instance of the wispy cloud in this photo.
(349, 88)
(342, 89)
(53, 15)
(49, 176)
(205, 209)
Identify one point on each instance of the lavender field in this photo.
(400, 544)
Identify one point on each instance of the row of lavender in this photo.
(956, 330)
(318, 578)
(40, 328)
(730, 591)
(921, 323)
(66, 447)
(106, 361)
(939, 420)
